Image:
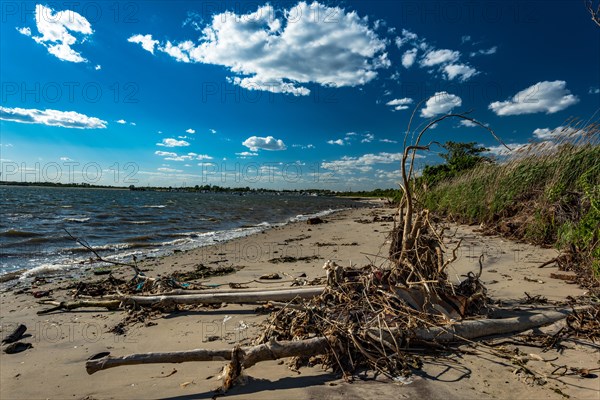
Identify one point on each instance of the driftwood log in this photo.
(474, 329)
(110, 305)
(251, 355)
(228, 297)
(178, 292)
(275, 350)
(212, 297)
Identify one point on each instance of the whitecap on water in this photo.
(78, 220)
(304, 217)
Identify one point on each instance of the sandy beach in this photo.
(62, 341)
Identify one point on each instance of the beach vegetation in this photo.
(547, 193)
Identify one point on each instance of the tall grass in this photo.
(546, 193)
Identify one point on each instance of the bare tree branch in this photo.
(407, 233)
(589, 4)
(83, 243)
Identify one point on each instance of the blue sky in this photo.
(280, 94)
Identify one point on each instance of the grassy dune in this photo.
(548, 194)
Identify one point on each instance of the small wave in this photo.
(261, 225)
(66, 206)
(46, 269)
(138, 222)
(18, 233)
(157, 206)
(304, 217)
(116, 246)
(184, 234)
(77, 220)
(192, 240)
(112, 247)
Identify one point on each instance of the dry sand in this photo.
(54, 368)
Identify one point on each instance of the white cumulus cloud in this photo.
(400, 104)
(501, 151)
(440, 103)
(339, 142)
(467, 123)
(435, 57)
(165, 153)
(255, 143)
(559, 131)
(408, 58)
(56, 31)
(406, 37)
(65, 119)
(461, 71)
(309, 43)
(246, 154)
(190, 131)
(364, 163)
(548, 97)
(169, 142)
(146, 41)
(24, 31)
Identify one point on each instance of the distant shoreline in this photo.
(359, 195)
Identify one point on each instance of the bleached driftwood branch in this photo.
(228, 297)
(474, 329)
(213, 297)
(251, 355)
